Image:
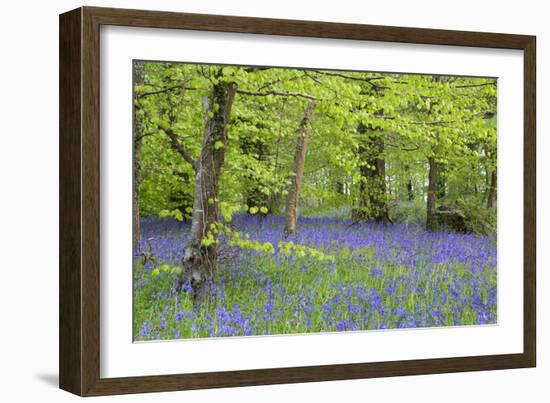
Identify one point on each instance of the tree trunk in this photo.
(441, 181)
(254, 196)
(138, 133)
(200, 259)
(136, 239)
(431, 212)
(409, 184)
(373, 198)
(492, 195)
(298, 172)
(378, 197)
(410, 191)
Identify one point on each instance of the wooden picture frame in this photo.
(79, 281)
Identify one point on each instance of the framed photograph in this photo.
(249, 201)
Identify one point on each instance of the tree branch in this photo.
(174, 142)
(277, 93)
(165, 89)
(368, 80)
(178, 146)
(270, 83)
(476, 85)
(141, 136)
(402, 147)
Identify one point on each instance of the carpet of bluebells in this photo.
(382, 277)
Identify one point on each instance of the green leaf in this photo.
(178, 215)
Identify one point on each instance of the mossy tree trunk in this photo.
(137, 138)
(200, 257)
(298, 171)
(431, 209)
(372, 188)
(492, 191)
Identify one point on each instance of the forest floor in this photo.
(380, 277)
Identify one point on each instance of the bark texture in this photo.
(441, 181)
(492, 192)
(372, 188)
(200, 259)
(298, 171)
(431, 209)
(138, 134)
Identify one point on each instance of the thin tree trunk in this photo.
(136, 239)
(378, 196)
(492, 196)
(200, 259)
(138, 132)
(409, 185)
(298, 172)
(431, 217)
(410, 191)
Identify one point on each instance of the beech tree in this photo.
(213, 141)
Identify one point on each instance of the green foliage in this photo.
(165, 268)
(242, 241)
(300, 251)
(176, 214)
(417, 116)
